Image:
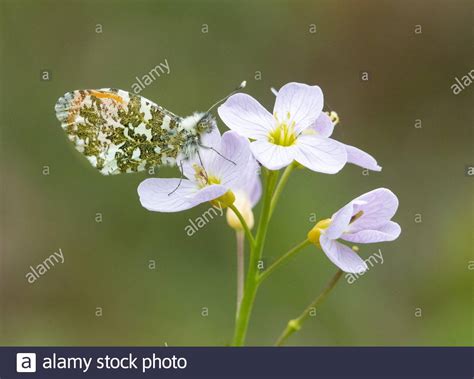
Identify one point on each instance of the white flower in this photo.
(279, 140)
(366, 219)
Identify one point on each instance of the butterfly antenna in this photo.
(242, 85)
(200, 160)
(180, 179)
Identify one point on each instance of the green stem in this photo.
(240, 237)
(251, 282)
(295, 324)
(248, 233)
(283, 259)
(281, 185)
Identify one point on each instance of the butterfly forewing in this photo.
(118, 131)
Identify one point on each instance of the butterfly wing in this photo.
(118, 131)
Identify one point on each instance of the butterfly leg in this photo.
(180, 179)
(202, 166)
(219, 154)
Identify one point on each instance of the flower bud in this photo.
(319, 228)
(243, 205)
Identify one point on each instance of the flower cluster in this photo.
(297, 132)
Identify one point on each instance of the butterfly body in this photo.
(121, 132)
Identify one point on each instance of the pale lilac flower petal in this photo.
(254, 189)
(320, 154)
(304, 103)
(388, 232)
(246, 116)
(323, 125)
(342, 256)
(188, 169)
(273, 157)
(207, 156)
(251, 184)
(247, 193)
(213, 138)
(154, 194)
(230, 170)
(361, 158)
(208, 193)
(208, 140)
(378, 207)
(340, 221)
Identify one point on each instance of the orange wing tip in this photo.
(107, 95)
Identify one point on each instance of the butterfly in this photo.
(120, 132)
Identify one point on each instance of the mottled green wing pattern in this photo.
(118, 131)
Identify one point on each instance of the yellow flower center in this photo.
(319, 228)
(322, 225)
(203, 180)
(284, 132)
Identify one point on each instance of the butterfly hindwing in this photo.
(118, 131)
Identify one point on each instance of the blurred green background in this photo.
(107, 264)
